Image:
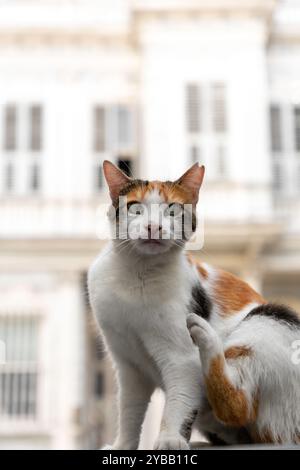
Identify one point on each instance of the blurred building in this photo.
(153, 85)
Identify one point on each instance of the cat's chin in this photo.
(152, 247)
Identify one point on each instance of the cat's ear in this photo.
(115, 179)
(192, 180)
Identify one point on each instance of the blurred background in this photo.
(153, 85)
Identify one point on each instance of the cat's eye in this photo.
(135, 208)
(174, 210)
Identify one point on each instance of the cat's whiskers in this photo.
(122, 246)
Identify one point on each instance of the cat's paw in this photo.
(171, 442)
(200, 330)
(107, 447)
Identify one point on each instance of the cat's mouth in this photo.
(152, 246)
(152, 241)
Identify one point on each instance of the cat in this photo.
(218, 350)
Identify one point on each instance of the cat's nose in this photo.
(154, 230)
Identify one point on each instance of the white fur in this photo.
(140, 297)
(267, 373)
(141, 305)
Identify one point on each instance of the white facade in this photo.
(155, 85)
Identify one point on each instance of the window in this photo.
(35, 128)
(113, 129)
(99, 141)
(98, 177)
(277, 177)
(113, 134)
(124, 126)
(195, 154)
(10, 128)
(35, 177)
(297, 128)
(206, 123)
(221, 161)
(285, 148)
(19, 373)
(193, 107)
(218, 107)
(125, 166)
(275, 119)
(9, 177)
(20, 164)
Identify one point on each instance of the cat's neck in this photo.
(150, 280)
(136, 262)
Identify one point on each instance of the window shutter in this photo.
(99, 129)
(193, 108)
(10, 128)
(35, 128)
(221, 161)
(9, 178)
(218, 91)
(297, 127)
(19, 378)
(35, 177)
(276, 128)
(124, 124)
(278, 177)
(98, 173)
(195, 154)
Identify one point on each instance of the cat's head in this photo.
(152, 217)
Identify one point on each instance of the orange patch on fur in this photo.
(264, 437)
(237, 351)
(229, 404)
(189, 258)
(202, 271)
(177, 193)
(232, 294)
(168, 191)
(137, 194)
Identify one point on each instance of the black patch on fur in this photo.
(186, 427)
(125, 190)
(200, 304)
(194, 221)
(189, 224)
(242, 437)
(277, 312)
(214, 439)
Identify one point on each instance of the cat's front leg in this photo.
(134, 395)
(183, 398)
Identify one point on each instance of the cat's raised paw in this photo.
(200, 330)
(170, 442)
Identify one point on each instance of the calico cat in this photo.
(158, 308)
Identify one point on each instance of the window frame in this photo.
(26, 155)
(211, 136)
(14, 367)
(115, 146)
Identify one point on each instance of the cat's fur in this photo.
(144, 294)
